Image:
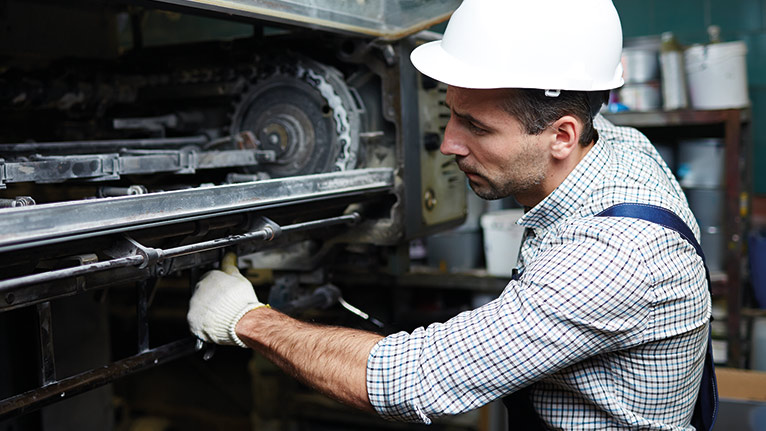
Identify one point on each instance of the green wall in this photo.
(689, 19)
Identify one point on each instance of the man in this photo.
(605, 325)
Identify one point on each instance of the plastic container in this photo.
(641, 97)
(640, 65)
(502, 240)
(455, 251)
(674, 93)
(701, 162)
(711, 242)
(717, 75)
(707, 205)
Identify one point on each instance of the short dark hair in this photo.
(537, 112)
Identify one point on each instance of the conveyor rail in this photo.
(28, 228)
(52, 390)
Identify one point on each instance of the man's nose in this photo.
(452, 144)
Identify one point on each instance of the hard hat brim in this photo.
(432, 60)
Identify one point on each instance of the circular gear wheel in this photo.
(305, 113)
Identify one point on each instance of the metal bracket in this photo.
(188, 160)
(270, 226)
(151, 255)
(129, 247)
(3, 175)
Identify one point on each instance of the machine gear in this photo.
(305, 113)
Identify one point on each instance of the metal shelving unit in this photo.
(733, 125)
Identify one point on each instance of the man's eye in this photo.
(476, 129)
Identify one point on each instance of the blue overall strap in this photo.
(706, 407)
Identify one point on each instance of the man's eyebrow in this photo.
(468, 117)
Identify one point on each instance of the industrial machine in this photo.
(140, 140)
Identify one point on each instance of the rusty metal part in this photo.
(58, 390)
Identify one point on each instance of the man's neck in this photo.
(559, 171)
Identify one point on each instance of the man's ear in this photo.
(566, 131)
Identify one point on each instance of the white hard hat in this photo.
(545, 44)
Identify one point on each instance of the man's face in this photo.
(499, 158)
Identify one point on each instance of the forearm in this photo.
(333, 360)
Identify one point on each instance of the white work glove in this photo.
(221, 299)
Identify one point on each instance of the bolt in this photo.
(273, 139)
(9, 298)
(430, 199)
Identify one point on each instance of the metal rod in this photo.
(262, 234)
(332, 221)
(47, 358)
(266, 233)
(71, 386)
(142, 312)
(13, 283)
(26, 147)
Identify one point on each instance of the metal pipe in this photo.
(71, 386)
(267, 233)
(350, 219)
(13, 283)
(113, 144)
(263, 234)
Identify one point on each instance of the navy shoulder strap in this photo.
(706, 407)
(654, 214)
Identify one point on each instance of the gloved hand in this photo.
(221, 299)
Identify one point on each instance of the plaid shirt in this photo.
(607, 323)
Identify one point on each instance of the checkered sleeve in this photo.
(587, 294)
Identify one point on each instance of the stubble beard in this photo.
(523, 176)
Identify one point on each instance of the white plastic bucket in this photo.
(717, 75)
(502, 240)
(641, 97)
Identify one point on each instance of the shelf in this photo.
(425, 277)
(753, 312)
(733, 125)
(677, 118)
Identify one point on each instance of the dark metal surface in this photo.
(7, 286)
(142, 312)
(75, 385)
(99, 145)
(112, 166)
(54, 223)
(47, 357)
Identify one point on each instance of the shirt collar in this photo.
(572, 193)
